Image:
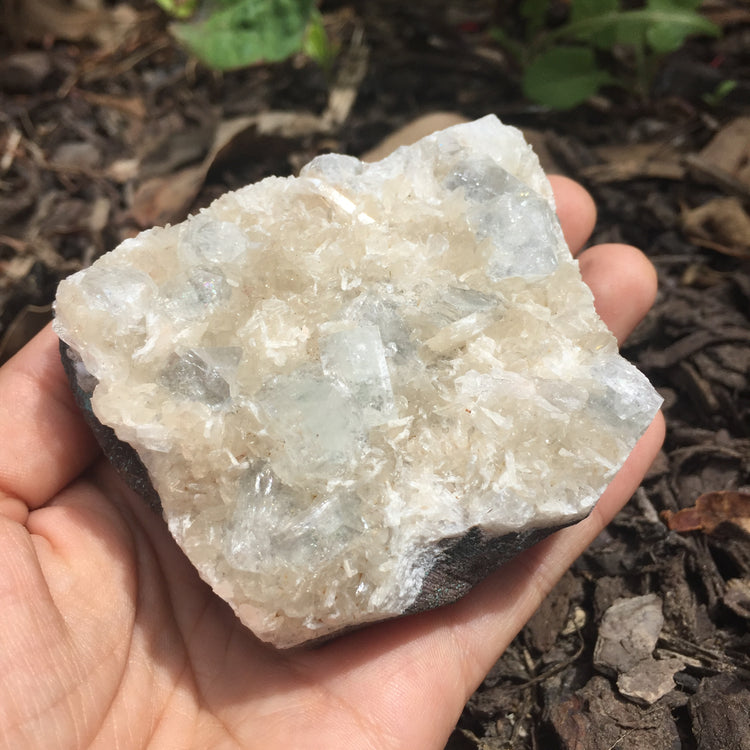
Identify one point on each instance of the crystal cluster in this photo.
(358, 390)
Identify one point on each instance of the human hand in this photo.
(108, 638)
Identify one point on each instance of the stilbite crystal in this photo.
(359, 390)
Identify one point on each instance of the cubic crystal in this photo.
(358, 391)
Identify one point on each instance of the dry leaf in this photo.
(162, 200)
(635, 161)
(37, 20)
(729, 150)
(167, 199)
(711, 510)
(722, 224)
(412, 132)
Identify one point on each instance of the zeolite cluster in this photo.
(358, 390)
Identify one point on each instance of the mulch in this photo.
(107, 128)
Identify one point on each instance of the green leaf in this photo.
(316, 43)
(664, 24)
(673, 21)
(631, 28)
(563, 77)
(178, 8)
(720, 92)
(602, 30)
(596, 20)
(235, 33)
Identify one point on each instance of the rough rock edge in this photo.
(121, 455)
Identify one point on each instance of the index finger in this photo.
(46, 442)
(575, 209)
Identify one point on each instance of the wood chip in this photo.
(737, 596)
(720, 711)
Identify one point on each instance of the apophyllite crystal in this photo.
(357, 391)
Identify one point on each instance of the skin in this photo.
(108, 638)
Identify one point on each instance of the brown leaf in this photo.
(37, 20)
(721, 224)
(174, 145)
(161, 200)
(710, 510)
(635, 161)
(412, 132)
(168, 198)
(729, 150)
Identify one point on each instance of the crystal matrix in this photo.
(357, 391)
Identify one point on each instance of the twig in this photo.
(11, 146)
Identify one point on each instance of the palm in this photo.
(109, 639)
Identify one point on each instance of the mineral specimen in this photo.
(357, 391)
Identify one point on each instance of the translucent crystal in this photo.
(317, 425)
(270, 520)
(218, 242)
(190, 376)
(357, 358)
(519, 223)
(357, 391)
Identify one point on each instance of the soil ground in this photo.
(106, 127)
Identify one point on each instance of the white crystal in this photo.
(334, 378)
(356, 357)
(316, 426)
